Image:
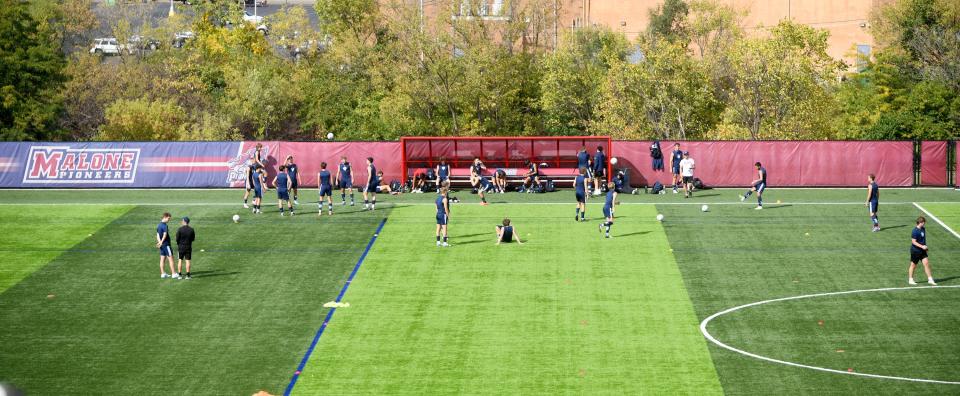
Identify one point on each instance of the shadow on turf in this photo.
(205, 274)
(631, 234)
(777, 206)
(892, 227)
(947, 279)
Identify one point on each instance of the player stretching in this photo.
(259, 179)
(873, 200)
(580, 187)
(483, 185)
(294, 172)
(608, 211)
(326, 190)
(163, 242)
(757, 185)
(476, 172)
(918, 252)
(500, 181)
(370, 189)
(185, 238)
(443, 216)
(506, 233)
(443, 172)
(282, 183)
(345, 181)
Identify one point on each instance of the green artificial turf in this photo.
(948, 213)
(240, 325)
(567, 313)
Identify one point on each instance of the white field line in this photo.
(942, 224)
(705, 322)
(241, 188)
(772, 205)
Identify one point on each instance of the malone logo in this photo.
(240, 165)
(62, 164)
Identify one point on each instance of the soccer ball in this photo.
(704, 208)
(613, 161)
(236, 218)
(330, 136)
(659, 217)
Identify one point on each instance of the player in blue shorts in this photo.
(599, 169)
(584, 161)
(370, 189)
(873, 200)
(483, 185)
(259, 183)
(293, 171)
(608, 211)
(443, 216)
(345, 181)
(443, 172)
(325, 189)
(758, 186)
(283, 184)
(675, 157)
(506, 233)
(918, 252)
(476, 172)
(532, 177)
(500, 180)
(163, 243)
(580, 190)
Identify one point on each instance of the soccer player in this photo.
(583, 160)
(500, 180)
(443, 215)
(419, 180)
(283, 184)
(687, 166)
(185, 238)
(580, 190)
(345, 181)
(618, 185)
(873, 200)
(506, 233)
(757, 185)
(483, 185)
(293, 171)
(599, 169)
(384, 187)
(443, 172)
(163, 243)
(532, 177)
(325, 189)
(476, 172)
(675, 157)
(608, 211)
(248, 182)
(370, 189)
(259, 180)
(918, 252)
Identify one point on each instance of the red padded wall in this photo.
(933, 163)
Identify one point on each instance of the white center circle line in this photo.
(705, 322)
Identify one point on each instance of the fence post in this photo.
(952, 163)
(916, 163)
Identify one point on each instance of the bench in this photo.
(562, 177)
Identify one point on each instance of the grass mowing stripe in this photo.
(567, 312)
(942, 224)
(346, 285)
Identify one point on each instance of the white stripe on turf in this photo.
(772, 205)
(942, 224)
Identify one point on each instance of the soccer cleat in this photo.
(600, 228)
(187, 277)
(931, 282)
(484, 203)
(343, 203)
(330, 213)
(245, 206)
(445, 244)
(438, 243)
(291, 213)
(353, 203)
(281, 214)
(742, 198)
(609, 236)
(175, 276)
(320, 212)
(758, 208)
(164, 275)
(911, 281)
(295, 202)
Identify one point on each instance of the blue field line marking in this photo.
(323, 326)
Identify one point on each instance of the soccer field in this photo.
(83, 310)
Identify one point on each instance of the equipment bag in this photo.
(395, 185)
(657, 187)
(549, 186)
(697, 184)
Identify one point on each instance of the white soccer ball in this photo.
(236, 218)
(613, 161)
(704, 208)
(330, 136)
(659, 217)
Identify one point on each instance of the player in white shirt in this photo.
(686, 170)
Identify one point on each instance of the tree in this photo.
(669, 21)
(143, 120)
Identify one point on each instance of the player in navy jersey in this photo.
(283, 183)
(599, 169)
(293, 171)
(584, 161)
(483, 185)
(918, 252)
(873, 201)
(476, 172)
(259, 184)
(580, 191)
(370, 189)
(758, 186)
(325, 189)
(443, 216)
(500, 181)
(443, 172)
(532, 177)
(675, 157)
(163, 243)
(345, 181)
(506, 233)
(248, 182)
(608, 211)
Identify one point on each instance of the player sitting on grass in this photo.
(873, 201)
(185, 238)
(443, 216)
(384, 187)
(419, 181)
(163, 243)
(758, 185)
(325, 189)
(608, 211)
(918, 252)
(282, 183)
(580, 191)
(506, 233)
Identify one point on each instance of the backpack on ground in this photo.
(697, 184)
(395, 185)
(549, 187)
(657, 188)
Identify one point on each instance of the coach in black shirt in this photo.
(185, 237)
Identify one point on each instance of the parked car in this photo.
(139, 43)
(181, 38)
(106, 46)
(249, 3)
(250, 18)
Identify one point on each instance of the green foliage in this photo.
(669, 21)
(143, 120)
